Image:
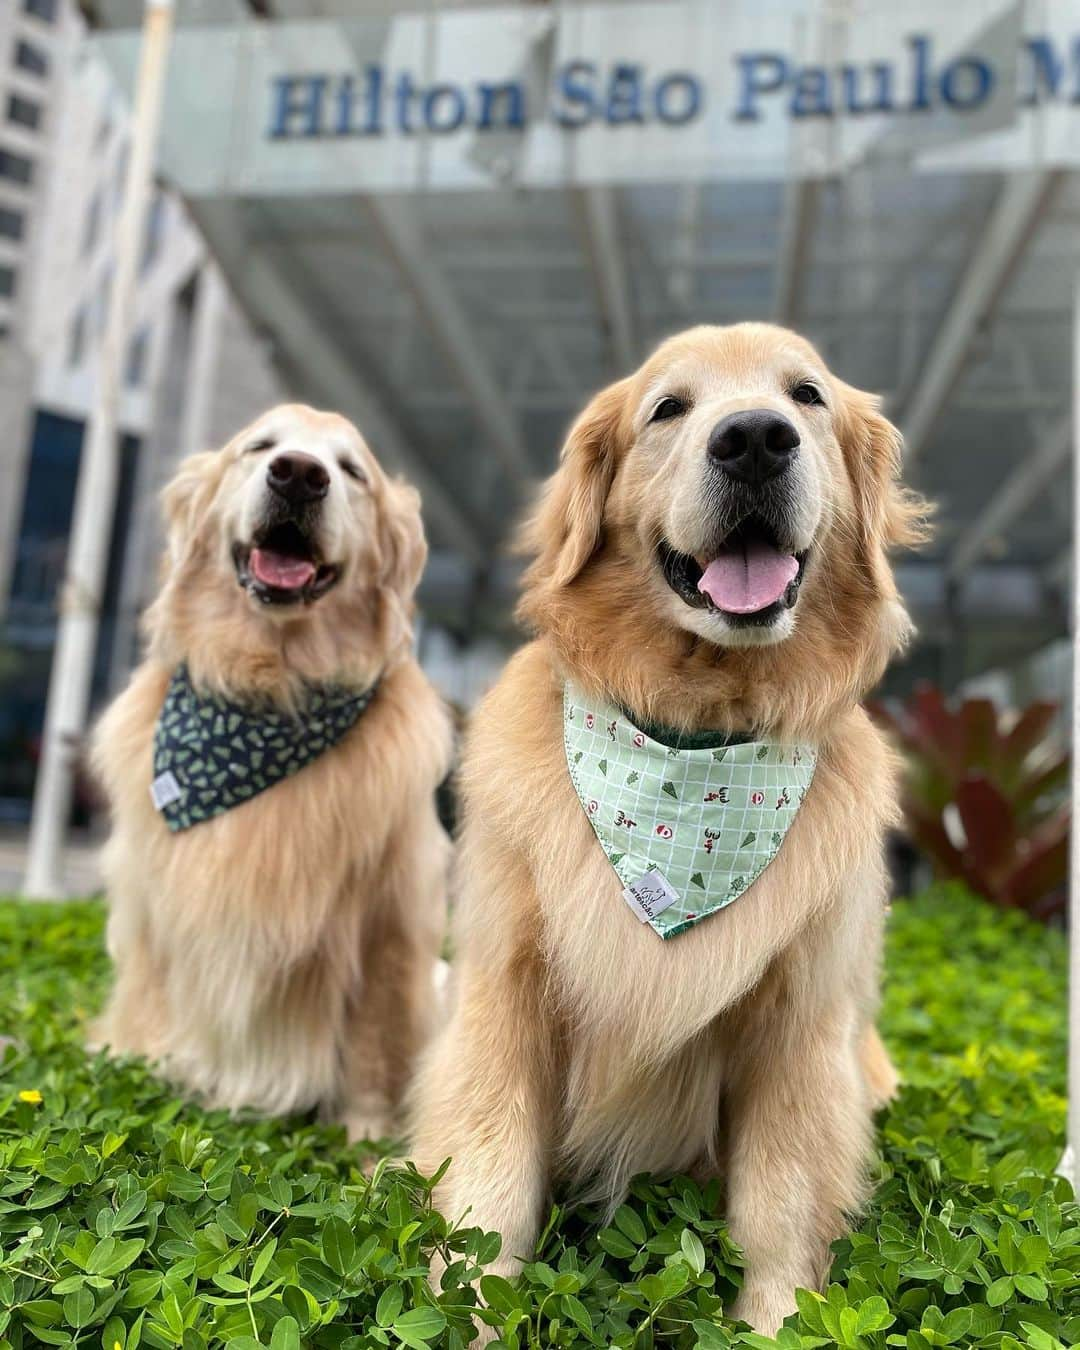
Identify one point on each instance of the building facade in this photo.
(194, 370)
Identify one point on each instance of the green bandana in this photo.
(687, 829)
(211, 755)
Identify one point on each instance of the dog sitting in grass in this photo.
(672, 870)
(275, 869)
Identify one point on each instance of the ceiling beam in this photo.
(274, 306)
(1032, 475)
(1021, 202)
(597, 209)
(801, 200)
(453, 331)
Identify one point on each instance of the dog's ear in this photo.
(402, 546)
(888, 515)
(402, 554)
(186, 500)
(566, 528)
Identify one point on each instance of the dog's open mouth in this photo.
(282, 567)
(752, 579)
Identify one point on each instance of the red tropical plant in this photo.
(984, 796)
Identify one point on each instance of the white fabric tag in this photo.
(165, 790)
(650, 895)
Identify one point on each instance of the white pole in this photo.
(1072, 1152)
(95, 497)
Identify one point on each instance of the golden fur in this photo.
(280, 956)
(581, 1049)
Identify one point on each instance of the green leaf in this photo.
(691, 1247)
(286, 1334)
(338, 1245)
(418, 1326)
(389, 1304)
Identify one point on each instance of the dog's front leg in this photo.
(799, 1118)
(485, 1097)
(391, 1014)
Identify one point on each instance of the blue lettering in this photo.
(810, 97)
(759, 73)
(452, 101)
(297, 98)
(404, 92)
(373, 124)
(920, 90)
(512, 95)
(881, 100)
(677, 99)
(624, 96)
(576, 93)
(966, 83)
(1047, 69)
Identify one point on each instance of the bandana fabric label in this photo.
(211, 754)
(686, 830)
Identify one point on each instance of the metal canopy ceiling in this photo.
(463, 330)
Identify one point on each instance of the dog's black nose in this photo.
(754, 445)
(297, 477)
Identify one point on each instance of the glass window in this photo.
(155, 229)
(101, 300)
(7, 281)
(135, 370)
(18, 168)
(121, 172)
(31, 58)
(11, 223)
(77, 338)
(41, 9)
(92, 224)
(24, 111)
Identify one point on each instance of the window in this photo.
(31, 58)
(15, 167)
(24, 111)
(41, 9)
(92, 224)
(77, 338)
(11, 223)
(155, 229)
(101, 300)
(7, 281)
(136, 359)
(121, 173)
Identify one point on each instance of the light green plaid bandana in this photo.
(687, 829)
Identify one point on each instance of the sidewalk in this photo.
(81, 873)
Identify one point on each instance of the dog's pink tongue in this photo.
(278, 569)
(749, 577)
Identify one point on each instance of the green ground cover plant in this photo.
(129, 1218)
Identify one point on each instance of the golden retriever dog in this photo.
(711, 555)
(279, 955)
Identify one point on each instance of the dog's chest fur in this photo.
(256, 920)
(629, 999)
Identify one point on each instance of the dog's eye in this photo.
(353, 470)
(808, 393)
(668, 408)
(263, 443)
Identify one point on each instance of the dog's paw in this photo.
(368, 1125)
(764, 1306)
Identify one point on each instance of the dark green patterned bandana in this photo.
(211, 754)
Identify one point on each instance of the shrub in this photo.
(983, 796)
(128, 1218)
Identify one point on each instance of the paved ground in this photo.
(81, 874)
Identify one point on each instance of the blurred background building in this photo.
(456, 221)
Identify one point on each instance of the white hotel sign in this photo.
(608, 92)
